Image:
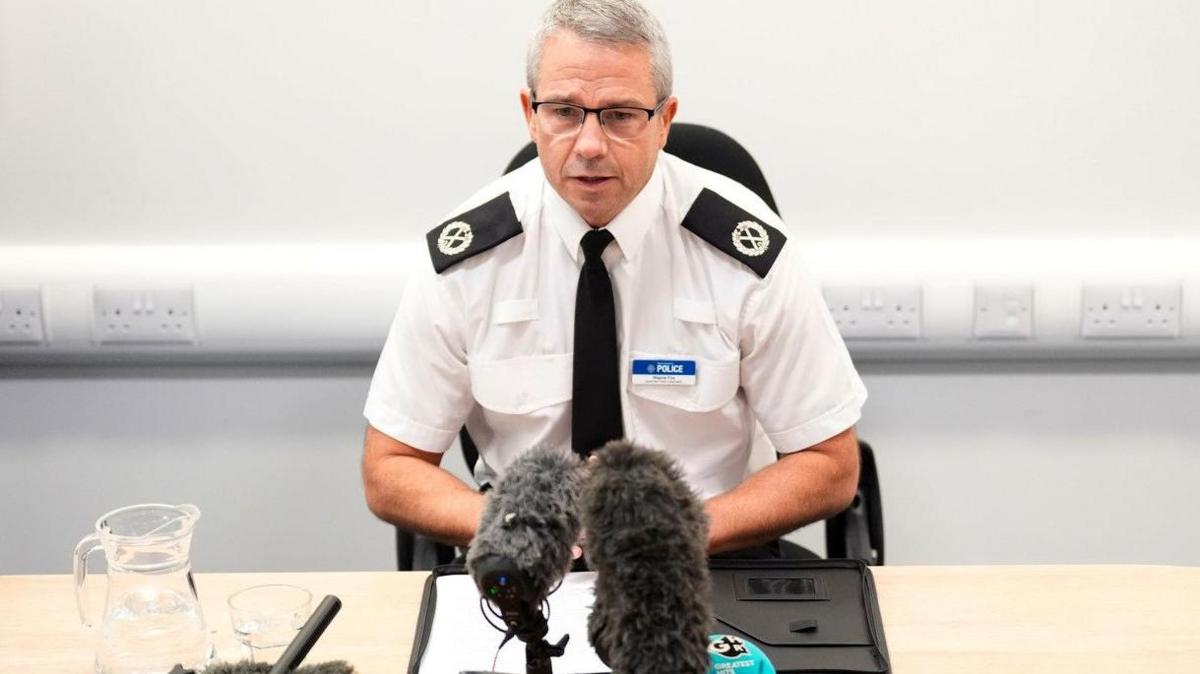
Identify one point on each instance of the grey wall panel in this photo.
(1040, 464)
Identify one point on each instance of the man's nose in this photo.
(591, 142)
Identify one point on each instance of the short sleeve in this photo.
(420, 394)
(796, 372)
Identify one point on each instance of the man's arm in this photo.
(798, 489)
(407, 487)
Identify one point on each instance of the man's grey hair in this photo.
(606, 22)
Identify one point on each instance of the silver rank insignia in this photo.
(751, 239)
(455, 238)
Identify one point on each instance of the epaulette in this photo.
(734, 231)
(467, 235)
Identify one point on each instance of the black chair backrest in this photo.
(705, 147)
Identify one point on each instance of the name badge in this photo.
(665, 372)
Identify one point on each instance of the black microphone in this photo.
(646, 539)
(523, 547)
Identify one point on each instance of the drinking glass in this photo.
(267, 617)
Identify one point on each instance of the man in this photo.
(507, 335)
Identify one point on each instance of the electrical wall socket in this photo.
(1132, 312)
(875, 312)
(21, 316)
(129, 316)
(1003, 312)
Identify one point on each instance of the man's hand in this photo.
(798, 489)
(407, 487)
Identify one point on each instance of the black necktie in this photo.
(596, 384)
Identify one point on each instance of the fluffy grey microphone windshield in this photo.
(646, 539)
(530, 517)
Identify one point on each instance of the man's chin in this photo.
(597, 209)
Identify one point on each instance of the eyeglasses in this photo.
(620, 123)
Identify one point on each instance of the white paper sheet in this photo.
(461, 640)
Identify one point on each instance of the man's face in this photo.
(597, 175)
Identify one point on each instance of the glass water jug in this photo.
(152, 619)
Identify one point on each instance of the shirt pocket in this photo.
(521, 385)
(693, 311)
(716, 384)
(514, 311)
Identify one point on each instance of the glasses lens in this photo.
(559, 118)
(624, 122)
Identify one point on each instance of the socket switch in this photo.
(875, 312)
(1132, 312)
(21, 316)
(1003, 312)
(139, 316)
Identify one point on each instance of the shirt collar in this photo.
(628, 228)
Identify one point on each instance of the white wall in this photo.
(269, 120)
(228, 122)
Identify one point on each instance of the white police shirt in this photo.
(710, 294)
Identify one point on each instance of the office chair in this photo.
(856, 532)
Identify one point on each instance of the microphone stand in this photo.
(538, 651)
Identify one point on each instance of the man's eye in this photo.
(564, 112)
(620, 116)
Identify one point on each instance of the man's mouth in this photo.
(591, 180)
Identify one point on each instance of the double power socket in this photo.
(133, 316)
(119, 316)
(1132, 312)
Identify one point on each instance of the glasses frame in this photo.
(650, 112)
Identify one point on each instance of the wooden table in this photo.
(1008, 620)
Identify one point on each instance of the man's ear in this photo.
(527, 109)
(668, 115)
